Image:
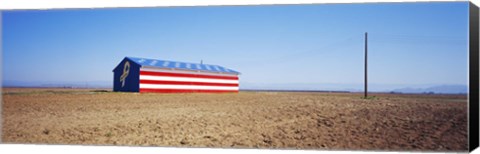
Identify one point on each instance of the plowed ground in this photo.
(286, 120)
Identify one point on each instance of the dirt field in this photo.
(245, 120)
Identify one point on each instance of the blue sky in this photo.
(410, 44)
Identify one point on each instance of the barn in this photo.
(162, 76)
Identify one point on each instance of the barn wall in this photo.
(131, 83)
(172, 81)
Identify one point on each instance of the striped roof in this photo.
(181, 65)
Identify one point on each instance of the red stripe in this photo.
(187, 75)
(144, 90)
(188, 83)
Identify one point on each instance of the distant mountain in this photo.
(71, 84)
(300, 86)
(442, 89)
(398, 88)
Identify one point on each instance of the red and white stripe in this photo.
(168, 81)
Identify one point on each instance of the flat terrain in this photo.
(286, 120)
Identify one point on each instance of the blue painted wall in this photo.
(132, 80)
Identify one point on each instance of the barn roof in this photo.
(181, 65)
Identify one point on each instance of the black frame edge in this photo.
(473, 102)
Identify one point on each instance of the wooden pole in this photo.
(366, 53)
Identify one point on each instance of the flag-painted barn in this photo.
(162, 76)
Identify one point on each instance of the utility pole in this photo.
(366, 53)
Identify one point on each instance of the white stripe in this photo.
(164, 86)
(167, 78)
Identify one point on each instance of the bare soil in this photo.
(285, 120)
